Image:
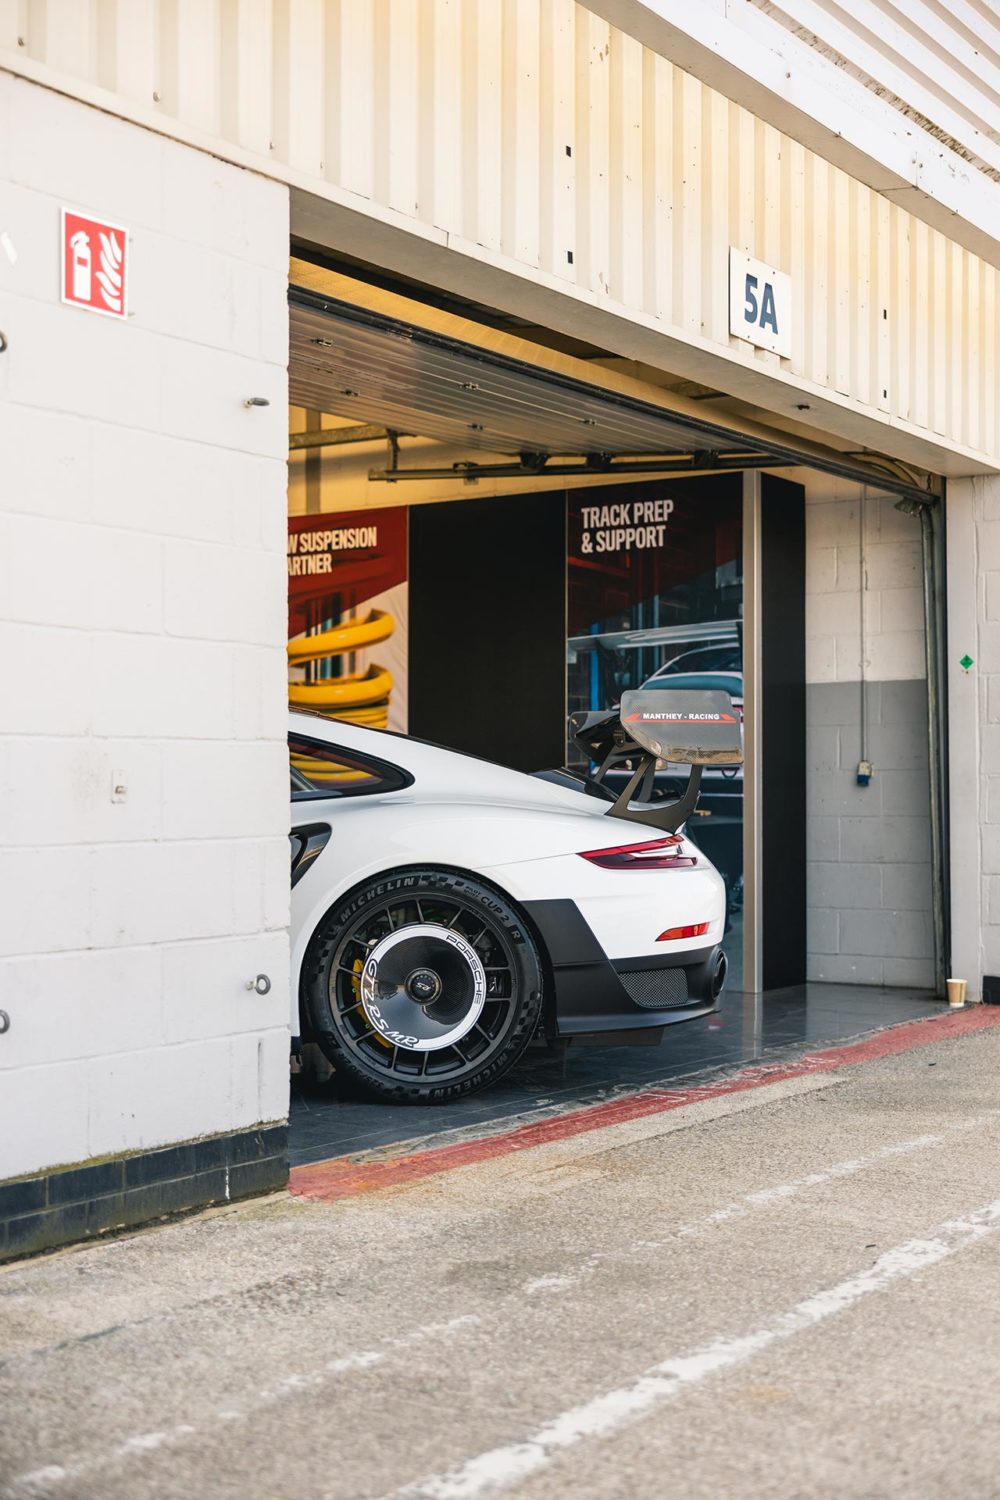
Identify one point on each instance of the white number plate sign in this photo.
(760, 304)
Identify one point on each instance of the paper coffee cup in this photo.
(956, 992)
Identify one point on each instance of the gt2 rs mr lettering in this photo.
(369, 990)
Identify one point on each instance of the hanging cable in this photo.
(863, 648)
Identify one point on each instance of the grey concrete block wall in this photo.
(869, 872)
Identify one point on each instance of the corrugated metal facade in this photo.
(937, 64)
(559, 145)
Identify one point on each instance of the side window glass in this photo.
(319, 770)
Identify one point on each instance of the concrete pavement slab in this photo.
(387, 1344)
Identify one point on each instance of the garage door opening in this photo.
(514, 537)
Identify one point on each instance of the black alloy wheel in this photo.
(422, 986)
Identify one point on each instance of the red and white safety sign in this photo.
(94, 264)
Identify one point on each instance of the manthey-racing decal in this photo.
(673, 718)
(692, 726)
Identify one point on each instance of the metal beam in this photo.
(689, 463)
(333, 437)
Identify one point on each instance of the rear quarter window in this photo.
(322, 770)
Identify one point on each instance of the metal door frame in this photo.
(752, 812)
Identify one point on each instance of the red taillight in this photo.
(696, 929)
(654, 854)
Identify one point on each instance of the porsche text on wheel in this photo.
(425, 983)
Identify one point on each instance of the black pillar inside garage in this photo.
(488, 665)
(783, 732)
(488, 627)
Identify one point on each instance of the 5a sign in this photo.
(760, 304)
(94, 264)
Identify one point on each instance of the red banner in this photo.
(338, 560)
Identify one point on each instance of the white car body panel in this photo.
(627, 912)
(520, 834)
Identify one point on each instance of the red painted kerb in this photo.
(346, 1177)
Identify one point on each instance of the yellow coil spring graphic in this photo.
(326, 773)
(360, 697)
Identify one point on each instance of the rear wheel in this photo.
(423, 986)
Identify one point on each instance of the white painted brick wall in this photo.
(142, 628)
(868, 872)
(853, 564)
(973, 553)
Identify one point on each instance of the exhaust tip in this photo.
(719, 973)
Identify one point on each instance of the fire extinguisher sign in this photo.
(94, 264)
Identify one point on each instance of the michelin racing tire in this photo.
(422, 986)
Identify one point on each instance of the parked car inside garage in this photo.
(445, 909)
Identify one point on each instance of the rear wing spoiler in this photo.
(683, 725)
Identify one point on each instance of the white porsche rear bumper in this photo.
(612, 968)
(592, 993)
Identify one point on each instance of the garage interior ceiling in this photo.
(435, 388)
(547, 410)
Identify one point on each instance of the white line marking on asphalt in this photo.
(763, 1197)
(145, 1442)
(502, 1467)
(41, 1481)
(554, 1282)
(741, 1208)
(44, 1480)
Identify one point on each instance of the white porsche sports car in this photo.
(444, 909)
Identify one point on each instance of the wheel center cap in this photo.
(427, 996)
(424, 986)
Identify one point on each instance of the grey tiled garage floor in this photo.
(324, 1125)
